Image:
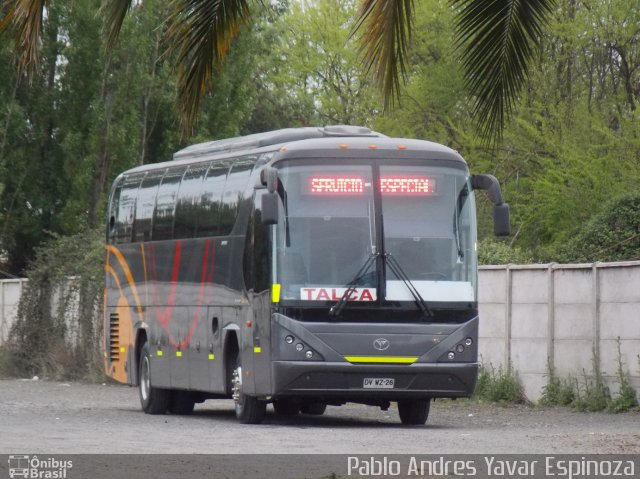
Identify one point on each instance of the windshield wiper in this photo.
(337, 308)
(400, 274)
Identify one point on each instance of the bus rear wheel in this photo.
(249, 409)
(414, 411)
(153, 400)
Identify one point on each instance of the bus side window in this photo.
(127, 208)
(166, 203)
(188, 204)
(233, 192)
(145, 204)
(210, 199)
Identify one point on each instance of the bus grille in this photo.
(114, 337)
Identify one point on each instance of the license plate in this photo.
(378, 383)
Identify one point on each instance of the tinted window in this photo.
(127, 208)
(166, 203)
(145, 205)
(211, 198)
(188, 205)
(233, 191)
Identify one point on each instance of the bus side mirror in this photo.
(269, 208)
(269, 178)
(489, 183)
(501, 223)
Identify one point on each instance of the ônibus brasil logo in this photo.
(38, 468)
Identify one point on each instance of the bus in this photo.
(302, 267)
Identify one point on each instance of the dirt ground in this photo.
(70, 418)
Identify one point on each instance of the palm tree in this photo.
(496, 41)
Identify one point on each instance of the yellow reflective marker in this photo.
(159, 352)
(211, 356)
(275, 293)
(122, 349)
(179, 354)
(105, 354)
(382, 359)
(257, 349)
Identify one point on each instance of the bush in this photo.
(493, 251)
(611, 235)
(58, 311)
(499, 385)
(626, 398)
(557, 391)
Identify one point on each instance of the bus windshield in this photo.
(335, 218)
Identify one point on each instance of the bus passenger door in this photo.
(201, 349)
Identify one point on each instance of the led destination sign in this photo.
(350, 185)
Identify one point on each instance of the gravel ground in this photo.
(69, 418)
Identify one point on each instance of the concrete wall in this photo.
(570, 315)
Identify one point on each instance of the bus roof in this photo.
(272, 138)
(338, 141)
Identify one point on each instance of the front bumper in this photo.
(345, 380)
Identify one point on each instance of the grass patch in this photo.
(501, 385)
(557, 391)
(591, 394)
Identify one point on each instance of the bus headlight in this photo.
(299, 347)
(289, 339)
(309, 354)
(468, 342)
(451, 355)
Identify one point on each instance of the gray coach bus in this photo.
(302, 267)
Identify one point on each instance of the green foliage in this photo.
(493, 251)
(627, 397)
(592, 395)
(499, 385)
(557, 391)
(57, 327)
(610, 235)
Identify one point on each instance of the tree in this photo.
(497, 40)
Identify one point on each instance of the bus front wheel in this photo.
(153, 400)
(249, 409)
(414, 411)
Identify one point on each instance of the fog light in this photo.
(299, 347)
(468, 342)
(289, 339)
(460, 348)
(451, 355)
(309, 354)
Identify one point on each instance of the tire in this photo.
(153, 400)
(249, 409)
(414, 411)
(285, 407)
(314, 408)
(181, 402)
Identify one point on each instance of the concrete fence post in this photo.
(595, 281)
(508, 315)
(551, 315)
